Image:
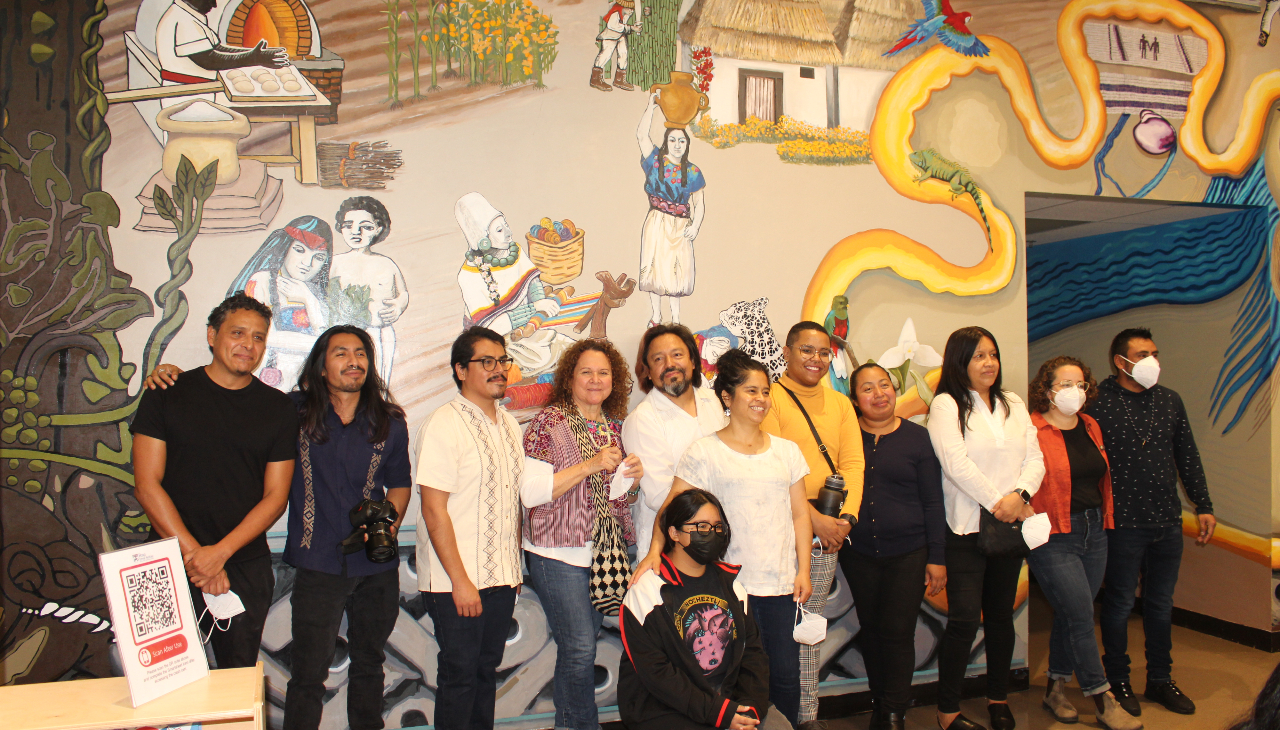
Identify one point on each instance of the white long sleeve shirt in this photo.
(997, 454)
(659, 431)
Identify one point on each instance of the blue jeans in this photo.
(565, 591)
(1070, 568)
(1156, 553)
(776, 618)
(471, 649)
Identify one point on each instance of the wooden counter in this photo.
(228, 699)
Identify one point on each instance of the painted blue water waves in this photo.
(1251, 357)
(1186, 262)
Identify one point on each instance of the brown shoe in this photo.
(597, 79)
(1056, 702)
(1112, 716)
(620, 80)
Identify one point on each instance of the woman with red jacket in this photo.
(692, 654)
(1076, 495)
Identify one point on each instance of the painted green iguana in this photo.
(934, 165)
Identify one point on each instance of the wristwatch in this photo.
(1026, 496)
(849, 518)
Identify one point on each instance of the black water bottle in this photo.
(831, 497)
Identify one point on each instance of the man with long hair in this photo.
(676, 412)
(354, 452)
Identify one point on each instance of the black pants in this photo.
(253, 581)
(471, 649)
(979, 589)
(372, 604)
(887, 593)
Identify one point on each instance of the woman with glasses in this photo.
(898, 548)
(991, 462)
(1076, 495)
(760, 480)
(693, 656)
(573, 447)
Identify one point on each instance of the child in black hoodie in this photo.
(693, 657)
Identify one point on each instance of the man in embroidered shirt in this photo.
(1150, 447)
(676, 412)
(470, 463)
(191, 53)
(809, 353)
(353, 446)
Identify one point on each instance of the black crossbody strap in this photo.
(812, 429)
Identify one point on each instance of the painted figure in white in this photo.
(674, 187)
(289, 274)
(621, 21)
(190, 52)
(368, 286)
(502, 289)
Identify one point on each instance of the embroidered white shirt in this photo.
(755, 490)
(659, 431)
(180, 33)
(997, 454)
(480, 463)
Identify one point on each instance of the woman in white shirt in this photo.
(760, 481)
(991, 460)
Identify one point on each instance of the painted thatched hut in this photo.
(864, 30)
(772, 57)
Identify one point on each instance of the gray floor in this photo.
(1221, 677)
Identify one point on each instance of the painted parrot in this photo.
(948, 25)
(837, 325)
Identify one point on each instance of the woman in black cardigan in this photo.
(898, 547)
(692, 655)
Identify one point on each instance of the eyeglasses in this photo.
(706, 527)
(810, 352)
(1082, 386)
(489, 363)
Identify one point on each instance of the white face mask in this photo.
(1146, 371)
(811, 629)
(1068, 401)
(223, 608)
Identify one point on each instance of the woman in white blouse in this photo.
(991, 460)
(759, 480)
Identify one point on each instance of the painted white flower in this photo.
(909, 348)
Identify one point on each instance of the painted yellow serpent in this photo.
(910, 90)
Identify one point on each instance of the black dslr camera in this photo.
(374, 520)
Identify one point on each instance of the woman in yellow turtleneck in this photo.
(809, 354)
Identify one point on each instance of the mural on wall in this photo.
(677, 204)
(461, 74)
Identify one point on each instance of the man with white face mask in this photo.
(1150, 446)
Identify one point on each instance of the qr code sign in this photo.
(152, 597)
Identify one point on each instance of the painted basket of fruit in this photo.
(556, 248)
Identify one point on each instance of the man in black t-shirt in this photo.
(212, 461)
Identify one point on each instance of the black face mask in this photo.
(706, 547)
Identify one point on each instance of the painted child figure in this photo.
(369, 288)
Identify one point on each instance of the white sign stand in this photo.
(154, 622)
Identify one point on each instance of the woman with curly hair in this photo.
(575, 536)
(1076, 495)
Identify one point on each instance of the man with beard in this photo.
(676, 412)
(354, 452)
(470, 464)
(212, 460)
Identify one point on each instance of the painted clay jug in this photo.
(202, 132)
(680, 100)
